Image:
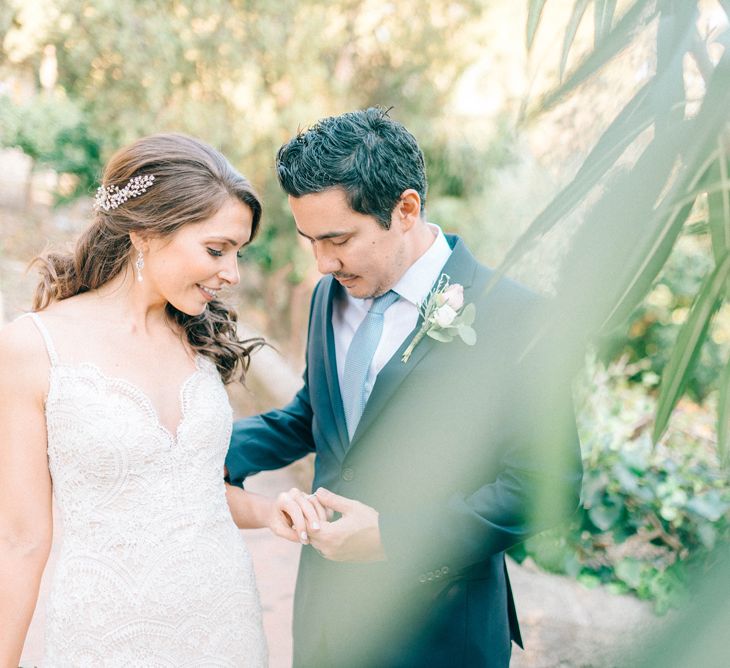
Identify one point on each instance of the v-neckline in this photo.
(142, 395)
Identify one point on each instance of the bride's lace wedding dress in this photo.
(152, 570)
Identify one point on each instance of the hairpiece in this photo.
(110, 197)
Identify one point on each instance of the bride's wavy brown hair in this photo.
(192, 182)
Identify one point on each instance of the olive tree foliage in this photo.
(663, 157)
(244, 75)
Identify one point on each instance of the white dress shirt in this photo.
(400, 319)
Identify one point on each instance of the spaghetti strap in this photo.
(52, 355)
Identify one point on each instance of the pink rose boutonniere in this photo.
(445, 316)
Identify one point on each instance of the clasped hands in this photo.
(308, 519)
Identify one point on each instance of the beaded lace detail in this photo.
(152, 570)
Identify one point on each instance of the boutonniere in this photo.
(445, 316)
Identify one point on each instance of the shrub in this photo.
(648, 513)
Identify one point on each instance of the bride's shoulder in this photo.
(73, 313)
(25, 335)
(20, 336)
(22, 350)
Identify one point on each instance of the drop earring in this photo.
(140, 265)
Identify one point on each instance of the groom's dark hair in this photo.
(372, 157)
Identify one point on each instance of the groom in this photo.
(433, 465)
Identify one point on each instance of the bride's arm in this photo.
(291, 515)
(25, 486)
(249, 510)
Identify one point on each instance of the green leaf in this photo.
(632, 23)
(534, 12)
(654, 258)
(708, 535)
(589, 580)
(723, 415)
(709, 505)
(468, 314)
(603, 11)
(628, 481)
(594, 486)
(633, 119)
(699, 139)
(675, 37)
(618, 588)
(440, 335)
(687, 347)
(629, 570)
(605, 515)
(468, 335)
(718, 202)
(579, 9)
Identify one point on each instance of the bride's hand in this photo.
(295, 515)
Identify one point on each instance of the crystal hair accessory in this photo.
(110, 197)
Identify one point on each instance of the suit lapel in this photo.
(460, 267)
(330, 363)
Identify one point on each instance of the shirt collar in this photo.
(419, 278)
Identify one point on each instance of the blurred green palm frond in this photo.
(662, 158)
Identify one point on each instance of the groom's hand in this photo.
(355, 536)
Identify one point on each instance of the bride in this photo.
(112, 398)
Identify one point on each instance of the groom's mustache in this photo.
(339, 275)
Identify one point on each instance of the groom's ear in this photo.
(407, 211)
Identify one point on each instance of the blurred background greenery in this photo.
(579, 145)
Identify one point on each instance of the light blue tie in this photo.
(358, 359)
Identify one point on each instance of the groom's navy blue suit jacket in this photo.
(464, 451)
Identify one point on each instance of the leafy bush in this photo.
(55, 133)
(656, 322)
(648, 513)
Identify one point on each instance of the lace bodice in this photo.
(152, 571)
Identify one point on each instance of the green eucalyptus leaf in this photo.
(468, 314)
(440, 335)
(687, 346)
(468, 335)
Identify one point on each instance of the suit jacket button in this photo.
(422, 579)
(445, 570)
(348, 474)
